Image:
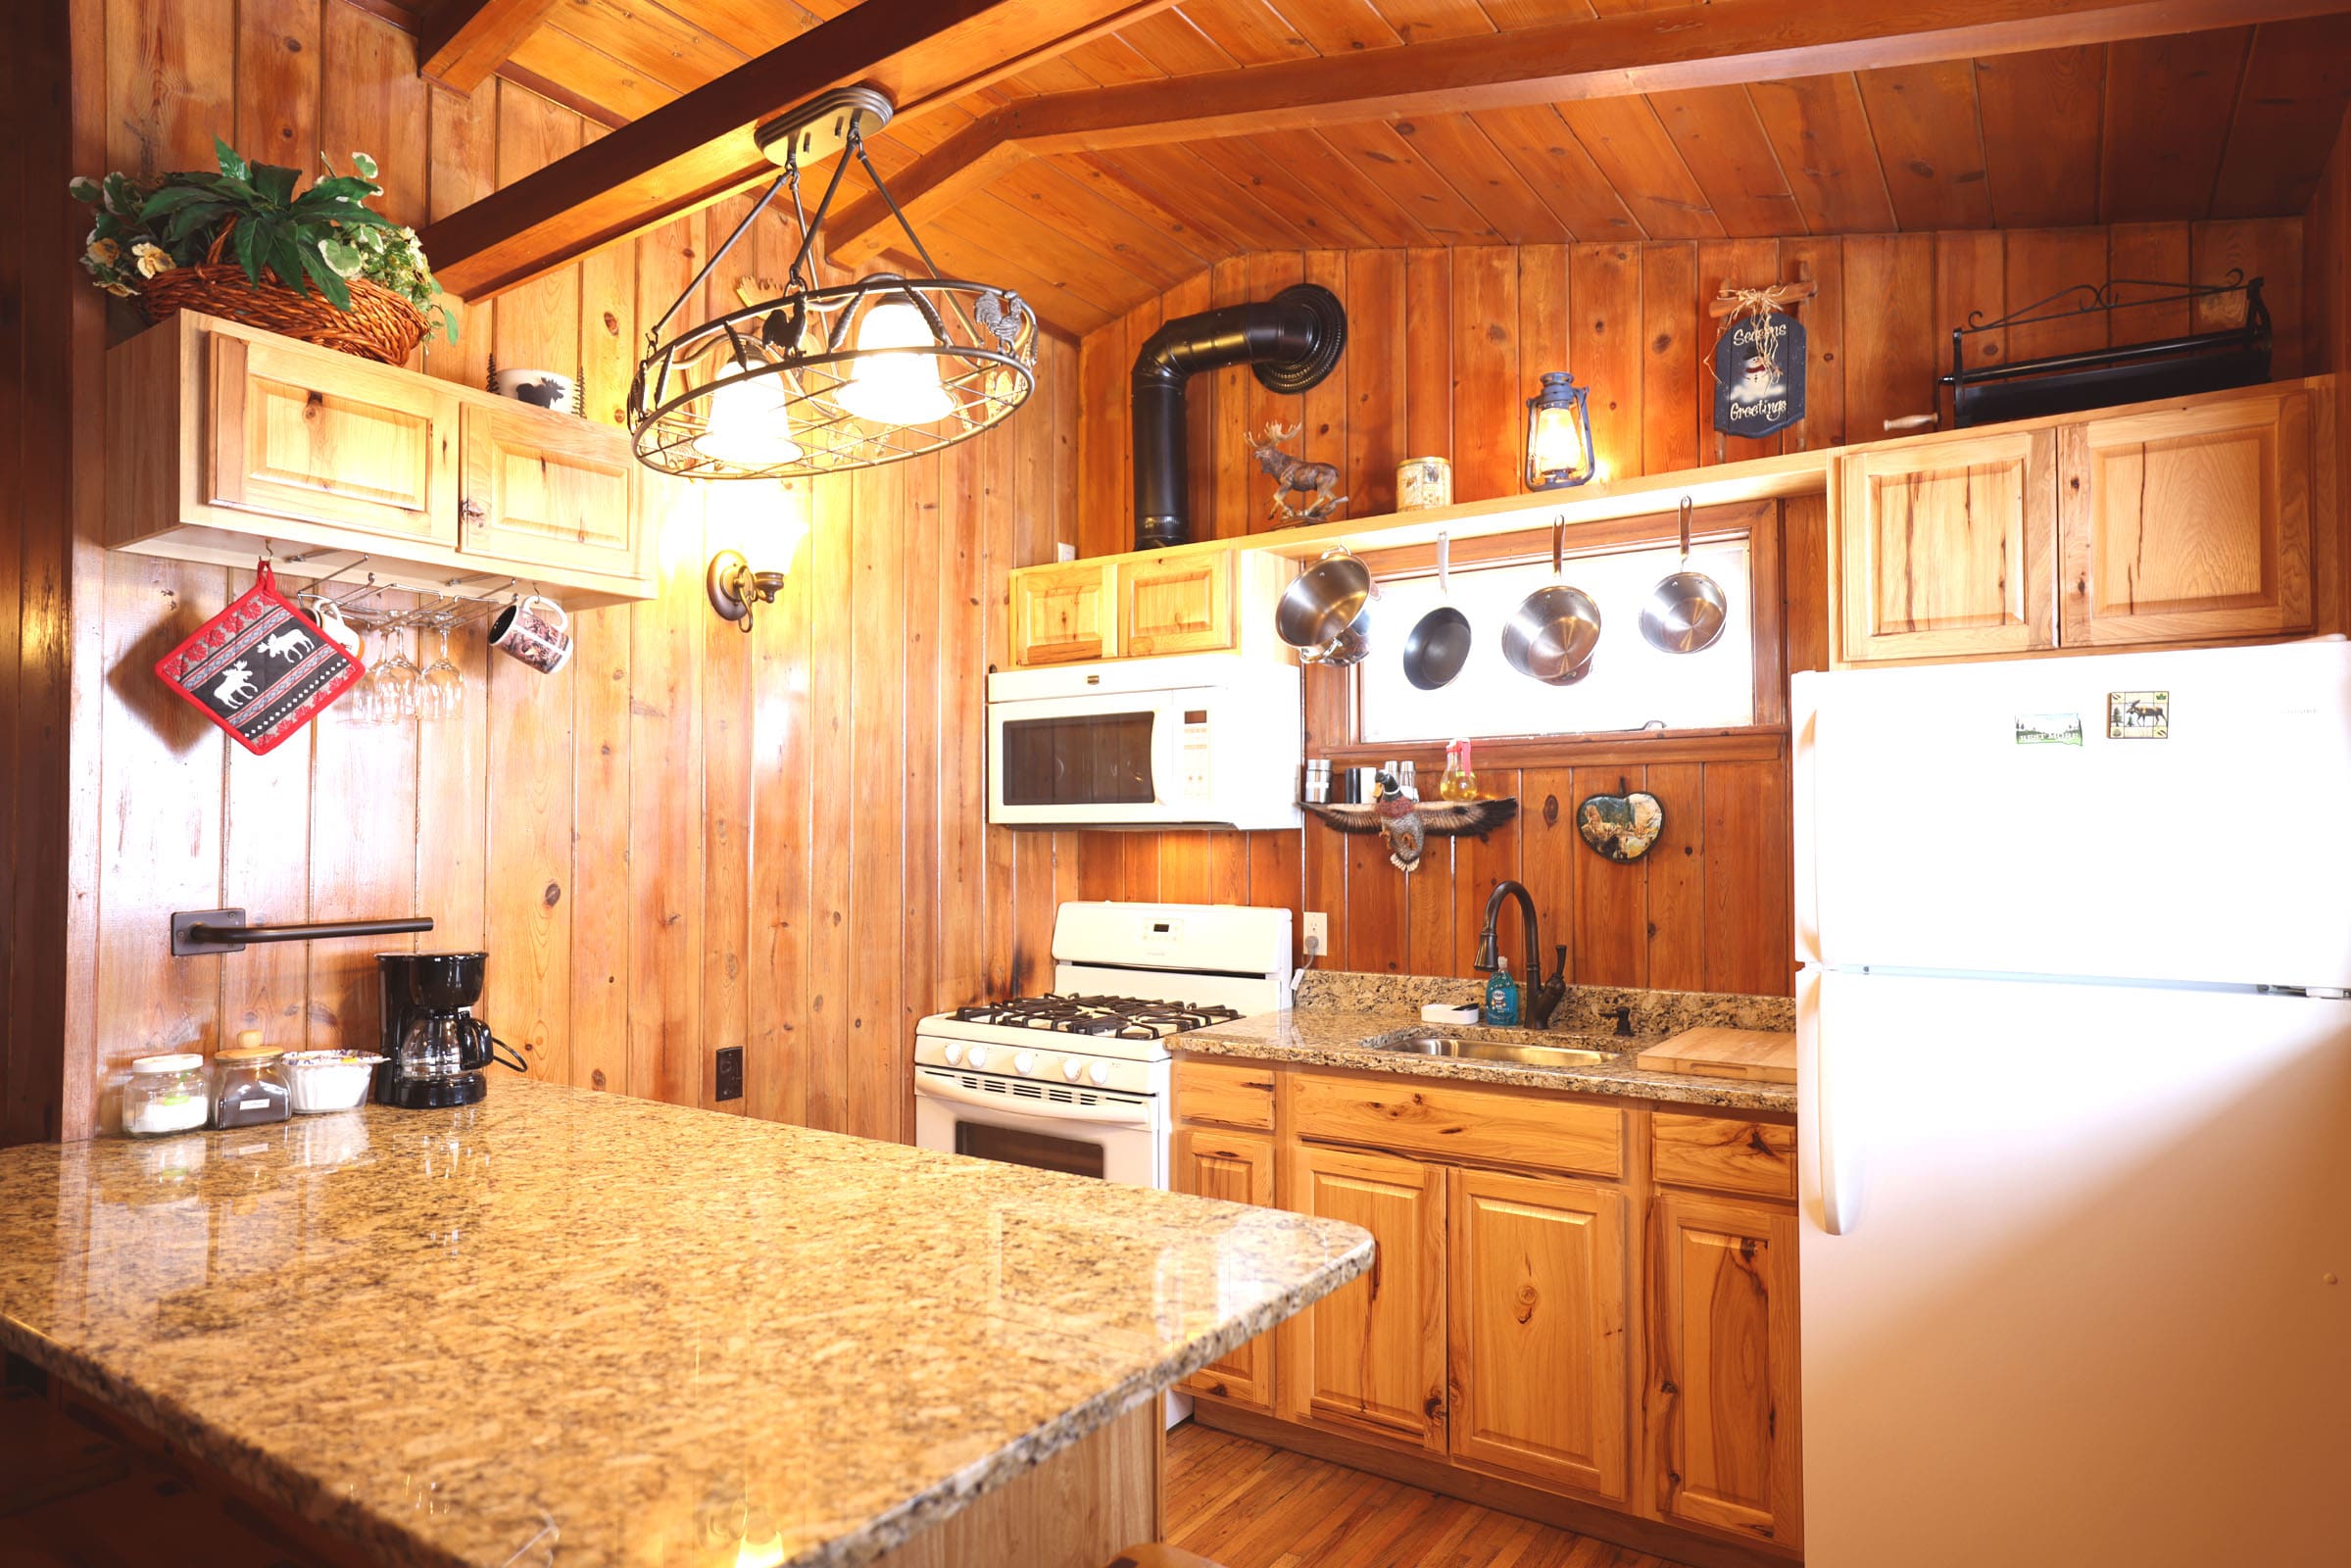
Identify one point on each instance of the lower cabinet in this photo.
(1723, 1384)
(1570, 1294)
(1537, 1330)
(1369, 1358)
(1239, 1168)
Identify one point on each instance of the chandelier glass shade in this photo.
(831, 380)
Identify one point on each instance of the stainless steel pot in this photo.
(1347, 648)
(1325, 600)
(1549, 637)
(1684, 611)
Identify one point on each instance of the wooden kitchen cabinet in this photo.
(1536, 1327)
(287, 434)
(1176, 605)
(253, 444)
(1947, 548)
(1722, 1385)
(1369, 1359)
(1239, 1168)
(2186, 525)
(1066, 612)
(546, 492)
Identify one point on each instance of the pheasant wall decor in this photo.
(1407, 824)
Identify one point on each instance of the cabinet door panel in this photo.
(293, 434)
(1183, 606)
(1238, 1168)
(1369, 1358)
(1723, 1380)
(1536, 1319)
(2188, 525)
(1946, 549)
(548, 489)
(1064, 614)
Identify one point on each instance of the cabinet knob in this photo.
(470, 510)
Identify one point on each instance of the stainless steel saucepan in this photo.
(1322, 605)
(1684, 611)
(1439, 645)
(1549, 637)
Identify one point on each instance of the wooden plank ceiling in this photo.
(2231, 122)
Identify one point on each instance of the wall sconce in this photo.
(734, 587)
(1558, 434)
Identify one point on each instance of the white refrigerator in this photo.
(2075, 1114)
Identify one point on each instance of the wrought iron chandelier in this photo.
(831, 379)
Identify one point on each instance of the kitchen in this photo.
(765, 827)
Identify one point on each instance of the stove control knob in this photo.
(1099, 1072)
(977, 1055)
(1025, 1063)
(1072, 1068)
(953, 1052)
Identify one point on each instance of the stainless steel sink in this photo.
(1524, 1052)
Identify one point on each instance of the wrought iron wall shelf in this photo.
(2099, 378)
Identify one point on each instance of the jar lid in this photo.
(176, 1061)
(250, 1054)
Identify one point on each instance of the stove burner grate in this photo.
(1111, 1017)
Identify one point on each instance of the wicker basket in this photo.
(380, 325)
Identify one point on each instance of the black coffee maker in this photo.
(434, 1047)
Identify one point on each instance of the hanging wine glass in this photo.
(444, 692)
(397, 679)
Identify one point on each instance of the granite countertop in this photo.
(570, 1328)
(1336, 1036)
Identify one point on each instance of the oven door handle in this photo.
(942, 1087)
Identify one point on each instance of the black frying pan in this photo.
(1439, 645)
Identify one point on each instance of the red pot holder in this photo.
(260, 669)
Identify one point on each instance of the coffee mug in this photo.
(546, 389)
(535, 630)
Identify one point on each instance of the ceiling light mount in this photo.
(829, 379)
(820, 127)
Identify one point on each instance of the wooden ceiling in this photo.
(2231, 122)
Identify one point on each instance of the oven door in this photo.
(1119, 1139)
(1109, 759)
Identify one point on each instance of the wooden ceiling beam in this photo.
(460, 42)
(1615, 56)
(700, 148)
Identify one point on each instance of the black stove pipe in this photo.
(1291, 341)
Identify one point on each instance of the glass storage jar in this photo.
(166, 1095)
(252, 1087)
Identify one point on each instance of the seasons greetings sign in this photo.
(1759, 375)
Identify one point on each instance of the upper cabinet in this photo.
(1189, 600)
(2185, 523)
(1947, 548)
(247, 444)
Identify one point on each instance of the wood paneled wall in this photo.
(2327, 327)
(1444, 348)
(690, 838)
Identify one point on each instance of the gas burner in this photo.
(1114, 1017)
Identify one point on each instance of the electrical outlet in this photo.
(730, 1073)
(1318, 933)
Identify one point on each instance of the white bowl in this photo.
(329, 1080)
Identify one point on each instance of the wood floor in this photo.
(1246, 1505)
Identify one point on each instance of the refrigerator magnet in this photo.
(2139, 715)
(2048, 730)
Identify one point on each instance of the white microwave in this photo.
(1197, 740)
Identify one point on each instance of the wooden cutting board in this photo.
(1761, 1055)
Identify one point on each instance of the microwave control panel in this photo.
(1195, 754)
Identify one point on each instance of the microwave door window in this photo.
(1093, 760)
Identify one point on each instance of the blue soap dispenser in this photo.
(1501, 994)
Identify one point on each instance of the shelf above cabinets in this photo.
(238, 443)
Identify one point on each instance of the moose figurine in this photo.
(1295, 476)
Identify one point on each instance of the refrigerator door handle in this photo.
(1836, 1212)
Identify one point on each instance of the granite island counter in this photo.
(574, 1329)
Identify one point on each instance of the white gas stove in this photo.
(1078, 1080)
